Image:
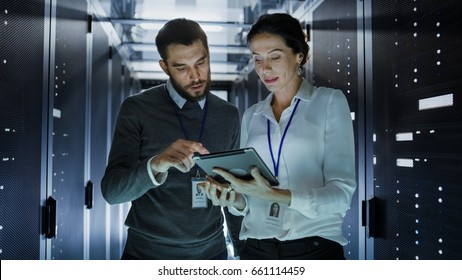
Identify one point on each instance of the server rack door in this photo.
(117, 214)
(334, 57)
(417, 123)
(22, 93)
(69, 93)
(99, 123)
(128, 83)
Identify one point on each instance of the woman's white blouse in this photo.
(317, 165)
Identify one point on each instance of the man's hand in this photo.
(179, 155)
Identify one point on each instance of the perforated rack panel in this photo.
(21, 95)
(418, 122)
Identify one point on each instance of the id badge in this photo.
(274, 215)
(199, 198)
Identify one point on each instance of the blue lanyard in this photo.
(181, 122)
(276, 163)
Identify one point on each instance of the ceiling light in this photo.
(212, 28)
(151, 25)
(158, 26)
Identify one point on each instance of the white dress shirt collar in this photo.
(304, 93)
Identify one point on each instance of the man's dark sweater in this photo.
(162, 222)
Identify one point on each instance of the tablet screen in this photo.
(237, 162)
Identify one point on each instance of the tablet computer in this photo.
(237, 162)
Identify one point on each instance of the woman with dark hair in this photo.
(305, 133)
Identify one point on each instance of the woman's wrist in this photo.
(282, 196)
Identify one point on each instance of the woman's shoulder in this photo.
(326, 90)
(329, 94)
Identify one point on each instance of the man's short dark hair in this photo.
(179, 31)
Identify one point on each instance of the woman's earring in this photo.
(299, 71)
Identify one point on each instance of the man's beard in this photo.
(183, 93)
